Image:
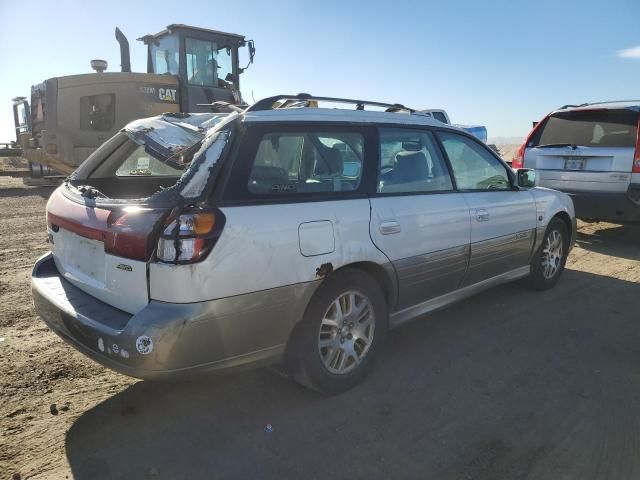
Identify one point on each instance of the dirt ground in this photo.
(509, 384)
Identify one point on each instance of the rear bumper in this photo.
(614, 207)
(169, 340)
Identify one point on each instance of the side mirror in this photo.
(526, 178)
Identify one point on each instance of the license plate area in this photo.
(574, 163)
(80, 256)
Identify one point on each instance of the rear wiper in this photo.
(557, 145)
(90, 192)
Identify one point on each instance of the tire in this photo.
(330, 353)
(546, 269)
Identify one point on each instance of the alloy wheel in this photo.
(346, 332)
(552, 253)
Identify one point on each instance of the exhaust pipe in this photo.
(125, 60)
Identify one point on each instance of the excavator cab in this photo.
(205, 61)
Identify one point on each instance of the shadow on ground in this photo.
(509, 384)
(619, 241)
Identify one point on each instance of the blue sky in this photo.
(497, 63)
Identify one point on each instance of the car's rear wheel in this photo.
(343, 328)
(548, 263)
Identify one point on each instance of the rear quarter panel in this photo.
(260, 249)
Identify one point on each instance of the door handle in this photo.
(390, 226)
(482, 215)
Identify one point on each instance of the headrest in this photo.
(410, 167)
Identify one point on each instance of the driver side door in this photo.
(503, 218)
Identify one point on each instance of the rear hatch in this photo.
(586, 149)
(103, 251)
(105, 220)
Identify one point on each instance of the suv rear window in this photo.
(590, 128)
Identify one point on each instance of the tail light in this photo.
(130, 231)
(189, 237)
(636, 154)
(518, 159)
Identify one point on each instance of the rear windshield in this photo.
(594, 128)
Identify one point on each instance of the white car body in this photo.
(240, 303)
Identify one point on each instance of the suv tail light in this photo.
(518, 159)
(636, 154)
(189, 237)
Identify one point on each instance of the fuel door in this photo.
(316, 238)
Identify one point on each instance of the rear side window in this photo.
(591, 128)
(307, 162)
(410, 161)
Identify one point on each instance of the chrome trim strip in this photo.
(499, 254)
(398, 318)
(431, 274)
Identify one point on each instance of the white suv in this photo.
(592, 152)
(191, 243)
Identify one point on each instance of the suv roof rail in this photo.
(269, 103)
(570, 105)
(598, 103)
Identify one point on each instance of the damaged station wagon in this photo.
(284, 234)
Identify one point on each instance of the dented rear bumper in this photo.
(169, 340)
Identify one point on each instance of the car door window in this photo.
(410, 161)
(474, 168)
(307, 162)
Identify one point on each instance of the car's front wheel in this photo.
(341, 333)
(549, 261)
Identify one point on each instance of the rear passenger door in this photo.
(417, 219)
(503, 218)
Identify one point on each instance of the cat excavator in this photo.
(189, 69)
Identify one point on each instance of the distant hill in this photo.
(507, 146)
(505, 140)
(507, 151)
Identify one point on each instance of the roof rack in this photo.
(271, 103)
(597, 103)
(570, 105)
(612, 101)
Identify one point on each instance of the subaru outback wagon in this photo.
(286, 235)
(592, 152)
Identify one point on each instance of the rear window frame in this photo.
(534, 142)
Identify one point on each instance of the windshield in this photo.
(164, 56)
(208, 64)
(592, 128)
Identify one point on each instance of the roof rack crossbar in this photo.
(269, 103)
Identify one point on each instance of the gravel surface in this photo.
(508, 384)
